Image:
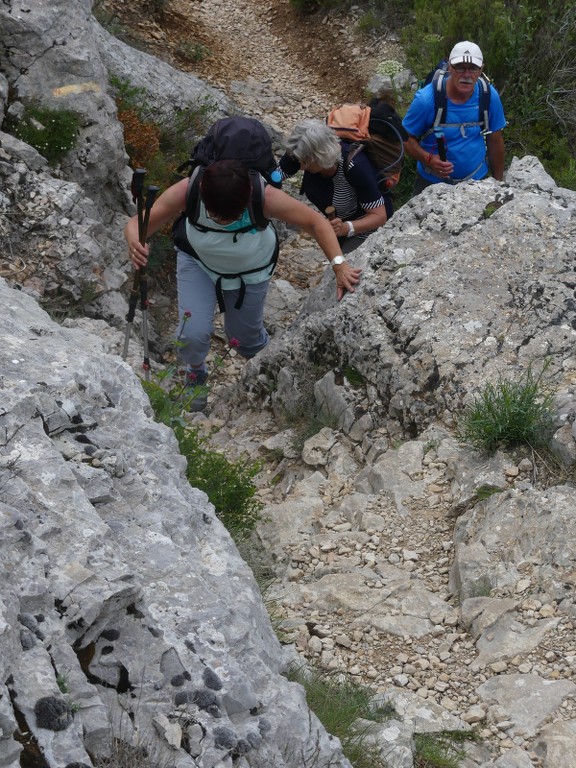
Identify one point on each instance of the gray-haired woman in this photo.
(360, 206)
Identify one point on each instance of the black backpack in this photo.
(438, 81)
(231, 138)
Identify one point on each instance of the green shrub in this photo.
(228, 484)
(158, 139)
(353, 377)
(192, 50)
(509, 413)
(53, 132)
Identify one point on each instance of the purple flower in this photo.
(234, 343)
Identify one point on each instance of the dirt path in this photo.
(276, 63)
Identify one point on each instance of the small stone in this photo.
(474, 715)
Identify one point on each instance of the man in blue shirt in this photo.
(472, 148)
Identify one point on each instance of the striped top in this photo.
(352, 194)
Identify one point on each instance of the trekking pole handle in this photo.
(150, 197)
(441, 144)
(137, 190)
(330, 212)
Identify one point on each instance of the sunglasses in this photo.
(466, 68)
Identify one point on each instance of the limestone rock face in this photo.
(58, 55)
(123, 597)
(466, 283)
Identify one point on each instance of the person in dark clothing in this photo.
(360, 207)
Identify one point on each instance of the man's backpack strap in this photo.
(439, 86)
(440, 101)
(484, 103)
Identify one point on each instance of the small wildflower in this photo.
(234, 343)
(186, 315)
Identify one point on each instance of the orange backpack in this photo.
(376, 129)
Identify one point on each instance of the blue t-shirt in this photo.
(466, 146)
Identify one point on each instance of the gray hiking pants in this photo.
(197, 295)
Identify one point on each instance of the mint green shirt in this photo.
(226, 253)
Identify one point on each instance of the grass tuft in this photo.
(509, 413)
(343, 707)
(441, 750)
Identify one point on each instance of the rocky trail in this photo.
(277, 64)
(393, 547)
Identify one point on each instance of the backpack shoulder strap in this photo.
(256, 202)
(440, 100)
(484, 102)
(193, 195)
(439, 86)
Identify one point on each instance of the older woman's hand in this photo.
(340, 227)
(347, 277)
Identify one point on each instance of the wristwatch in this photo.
(337, 260)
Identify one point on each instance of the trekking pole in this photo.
(330, 212)
(140, 283)
(441, 144)
(137, 187)
(143, 232)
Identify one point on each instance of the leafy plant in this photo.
(341, 705)
(53, 132)
(485, 491)
(509, 413)
(482, 587)
(353, 377)
(156, 138)
(228, 484)
(192, 50)
(62, 683)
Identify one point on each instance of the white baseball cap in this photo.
(466, 53)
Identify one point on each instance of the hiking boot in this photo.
(196, 391)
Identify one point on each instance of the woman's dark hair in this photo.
(225, 188)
